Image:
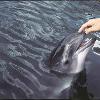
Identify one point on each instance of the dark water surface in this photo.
(29, 31)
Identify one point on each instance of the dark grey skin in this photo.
(68, 58)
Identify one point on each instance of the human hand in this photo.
(92, 25)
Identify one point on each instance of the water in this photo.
(29, 31)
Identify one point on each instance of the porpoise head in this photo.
(70, 54)
(67, 60)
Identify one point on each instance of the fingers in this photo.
(92, 25)
(94, 28)
(86, 25)
(89, 30)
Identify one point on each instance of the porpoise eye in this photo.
(66, 62)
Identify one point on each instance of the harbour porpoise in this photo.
(67, 60)
(69, 56)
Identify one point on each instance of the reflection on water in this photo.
(29, 30)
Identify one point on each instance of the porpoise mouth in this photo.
(86, 43)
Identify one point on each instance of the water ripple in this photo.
(29, 31)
